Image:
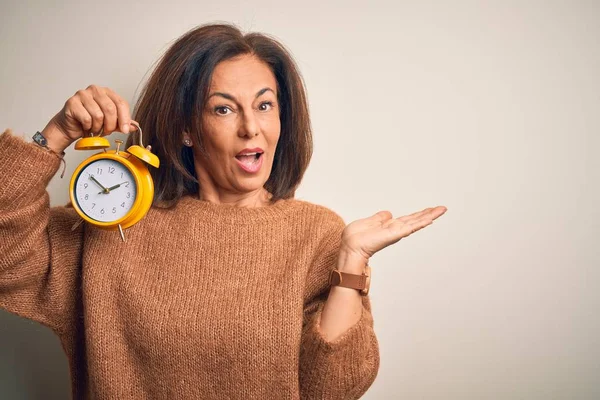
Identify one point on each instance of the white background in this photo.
(489, 108)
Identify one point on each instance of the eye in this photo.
(222, 110)
(265, 106)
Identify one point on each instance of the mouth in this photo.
(249, 157)
(250, 162)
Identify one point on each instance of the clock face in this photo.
(105, 190)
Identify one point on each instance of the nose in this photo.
(250, 126)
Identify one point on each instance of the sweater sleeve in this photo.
(39, 254)
(346, 367)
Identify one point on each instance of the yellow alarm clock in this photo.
(113, 189)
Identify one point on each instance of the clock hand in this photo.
(112, 187)
(99, 184)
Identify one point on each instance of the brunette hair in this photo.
(172, 101)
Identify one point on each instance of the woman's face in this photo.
(241, 115)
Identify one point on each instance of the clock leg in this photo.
(76, 224)
(121, 232)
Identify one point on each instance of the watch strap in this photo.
(353, 281)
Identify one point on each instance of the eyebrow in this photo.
(230, 97)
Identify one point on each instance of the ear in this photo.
(186, 139)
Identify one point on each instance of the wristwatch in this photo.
(40, 139)
(359, 282)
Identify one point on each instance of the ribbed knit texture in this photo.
(203, 301)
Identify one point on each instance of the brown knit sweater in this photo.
(203, 301)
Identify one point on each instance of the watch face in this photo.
(105, 190)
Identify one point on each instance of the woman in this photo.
(223, 289)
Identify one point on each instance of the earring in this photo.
(187, 142)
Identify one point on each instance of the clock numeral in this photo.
(128, 195)
(114, 210)
(123, 204)
(85, 185)
(99, 170)
(93, 205)
(111, 170)
(102, 211)
(126, 184)
(86, 196)
(121, 175)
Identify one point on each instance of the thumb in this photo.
(382, 216)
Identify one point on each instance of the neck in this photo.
(257, 198)
(212, 193)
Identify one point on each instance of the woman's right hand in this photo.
(94, 109)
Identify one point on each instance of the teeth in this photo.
(248, 154)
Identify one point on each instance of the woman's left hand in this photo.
(364, 237)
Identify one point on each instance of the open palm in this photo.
(367, 236)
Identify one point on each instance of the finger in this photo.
(93, 109)
(430, 212)
(414, 216)
(397, 230)
(123, 112)
(382, 216)
(420, 224)
(109, 109)
(438, 212)
(403, 229)
(77, 111)
(434, 213)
